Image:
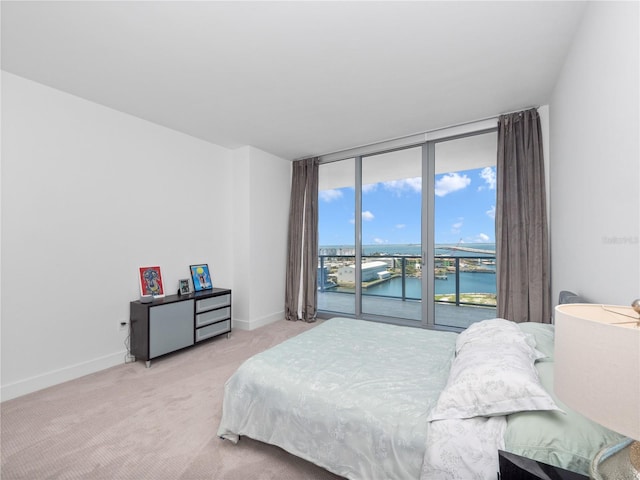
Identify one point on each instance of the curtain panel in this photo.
(301, 292)
(523, 285)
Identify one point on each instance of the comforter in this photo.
(351, 396)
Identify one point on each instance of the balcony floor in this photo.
(446, 315)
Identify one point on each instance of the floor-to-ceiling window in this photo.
(391, 249)
(464, 203)
(336, 232)
(391, 220)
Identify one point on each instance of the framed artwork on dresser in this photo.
(183, 287)
(201, 277)
(150, 279)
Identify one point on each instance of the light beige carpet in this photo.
(130, 422)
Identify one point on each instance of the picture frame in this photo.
(201, 277)
(150, 279)
(184, 287)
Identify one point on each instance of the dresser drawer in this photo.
(213, 302)
(211, 316)
(213, 330)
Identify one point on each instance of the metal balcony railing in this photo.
(409, 270)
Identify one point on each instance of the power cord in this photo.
(128, 358)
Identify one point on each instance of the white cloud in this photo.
(414, 183)
(379, 241)
(457, 227)
(488, 174)
(482, 238)
(398, 186)
(451, 182)
(400, 226)
(371, 187)
(491, 213)
(329, 195)
(367, 216)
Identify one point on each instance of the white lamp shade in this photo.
(597, 364)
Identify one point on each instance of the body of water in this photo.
(469, 283)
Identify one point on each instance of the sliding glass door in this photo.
(391, 220)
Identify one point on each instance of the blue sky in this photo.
(464, 210)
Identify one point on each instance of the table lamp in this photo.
(597, 373)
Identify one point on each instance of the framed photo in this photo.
(151, 282)
(184, 288)
(201, 278)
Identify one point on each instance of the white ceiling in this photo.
(295, 78)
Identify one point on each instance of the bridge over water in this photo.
(470, 249)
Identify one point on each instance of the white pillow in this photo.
(493, 375)
(498, 331)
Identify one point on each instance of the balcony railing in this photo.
(477, 269)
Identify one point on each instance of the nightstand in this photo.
(515, 467)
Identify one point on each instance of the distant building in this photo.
(370, 272)
(336, 251)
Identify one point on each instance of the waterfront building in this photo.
(370, 271)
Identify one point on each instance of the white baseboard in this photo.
(252, 324)
(33, 384)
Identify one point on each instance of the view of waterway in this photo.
(470, 282)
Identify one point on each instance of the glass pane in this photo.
(464, 204)
(391, 272)
(336, 235)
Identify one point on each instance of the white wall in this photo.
(260, 218)
(88, 195)
(595, 158)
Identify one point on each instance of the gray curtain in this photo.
(301, 291)
(521, 221)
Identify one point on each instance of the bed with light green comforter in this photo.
(349, 395)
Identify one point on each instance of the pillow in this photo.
(543, 333)
(497, 331)
(486, 381)
(568, 441)
(492, 374)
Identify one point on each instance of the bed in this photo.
(369, 400)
